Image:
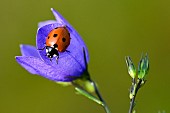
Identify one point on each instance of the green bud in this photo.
(143, 67)
(134, 111)
(131, 67)
(85, 84)
(89, 86)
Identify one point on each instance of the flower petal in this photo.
(41, 24)
(60, 19)
(59, 73)
(28, 50)
(20, 60)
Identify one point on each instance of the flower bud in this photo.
(143, 67)
(131, 67)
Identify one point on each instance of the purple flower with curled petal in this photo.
(71, 65)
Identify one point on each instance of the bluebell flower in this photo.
(71, 65)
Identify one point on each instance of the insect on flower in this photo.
(57, 41)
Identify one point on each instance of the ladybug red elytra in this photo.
(57, 41)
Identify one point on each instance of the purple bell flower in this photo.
(71, 65)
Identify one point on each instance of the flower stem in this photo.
(85, 93)
(132, 102)
(90, 96)
(100, 97)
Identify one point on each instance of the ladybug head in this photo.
(51, 51)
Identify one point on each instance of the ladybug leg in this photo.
(42, 48)
(57, 59)
(68, 51)
(46, 55)
(51, 59)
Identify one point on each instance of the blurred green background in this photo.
(111, 29)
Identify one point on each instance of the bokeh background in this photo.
(112, 29)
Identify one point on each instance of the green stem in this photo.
(88, 95)
(85, 93)
(100, 97)
(132, 102)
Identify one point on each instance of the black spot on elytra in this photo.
(48, 37)
(55, 35)
(63, 39)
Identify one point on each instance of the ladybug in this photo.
(57, 41)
